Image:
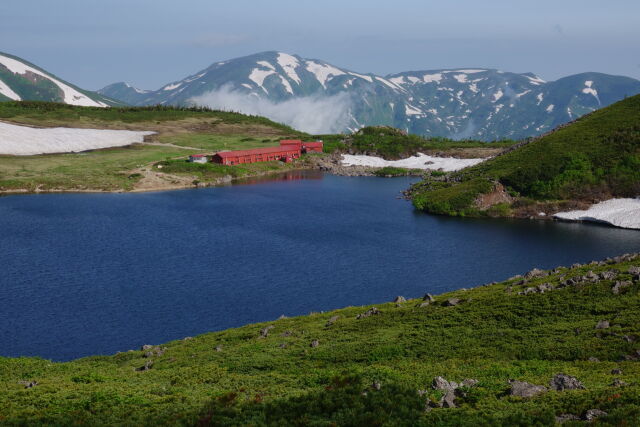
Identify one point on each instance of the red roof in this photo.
(266, 150)
(314, 144)
(290, 142)
(198, 155)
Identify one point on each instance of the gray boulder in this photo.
(634, 270)
(264, 332)
(400, 299)
(439, 383)
(315, 343)
(535, 273)
(609, 275)
(592, 414)
(452, 302)
(428, 297)
(524, 389)
(603, 324)
(620, 286)
(562, 382)
(373, 311)
(332, 320)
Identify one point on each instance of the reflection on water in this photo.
(90, 274)
(295, 175)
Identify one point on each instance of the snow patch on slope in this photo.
(257, 76)
(8, 92)
(289, 64)
(27, 141)
(430, 78)
(323, 71)
(421, 161)
(589, 90)
(71, 95)
(362, 76)
(623, 213)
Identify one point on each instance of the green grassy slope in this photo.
(595, 158)
(238, 377)
(48, 113)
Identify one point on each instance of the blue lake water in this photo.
(84, 274)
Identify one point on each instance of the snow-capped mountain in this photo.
(23, 81)
(460, 103)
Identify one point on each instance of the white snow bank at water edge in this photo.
(27, 141)
(623, 213)
(421, 161)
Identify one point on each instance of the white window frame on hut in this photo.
(198, 158)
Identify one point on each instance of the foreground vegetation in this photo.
(595, 158)
(179, 133)
(339, 368)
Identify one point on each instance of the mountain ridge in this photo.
(21, 80)
(479, 103)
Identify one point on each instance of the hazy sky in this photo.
(151, 42)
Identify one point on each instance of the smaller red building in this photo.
(283, 153)
(312, 147)
(305, 147)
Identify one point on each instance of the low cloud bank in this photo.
(312, 114)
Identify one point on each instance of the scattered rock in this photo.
(439, 383)
(619, 286)
(373, 311)
(524, 389)
(376, 385)
(218, 348)
(562, 382)
(399, 300)
(28, 384)
(603, 324)
(629, 338)
(424, 304)
(616, 371)
(452, 302)
(535, 273)
(315, 343)
(332, 320)
(148, 365)
(283, 345)
(282, 316)
(593, 359)
(592, 414)
(187, 338)
(634, 270)
(154, 351)
(451, 390)
(617, 383)
(264, 332)
(609, 275)
(146, 347)
(448, 400)
(428, 297)
(286, 334)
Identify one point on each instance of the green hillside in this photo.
(594, 158)
(393, 144)
(179, 133)
(365, 366)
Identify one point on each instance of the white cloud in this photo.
(312, 114)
